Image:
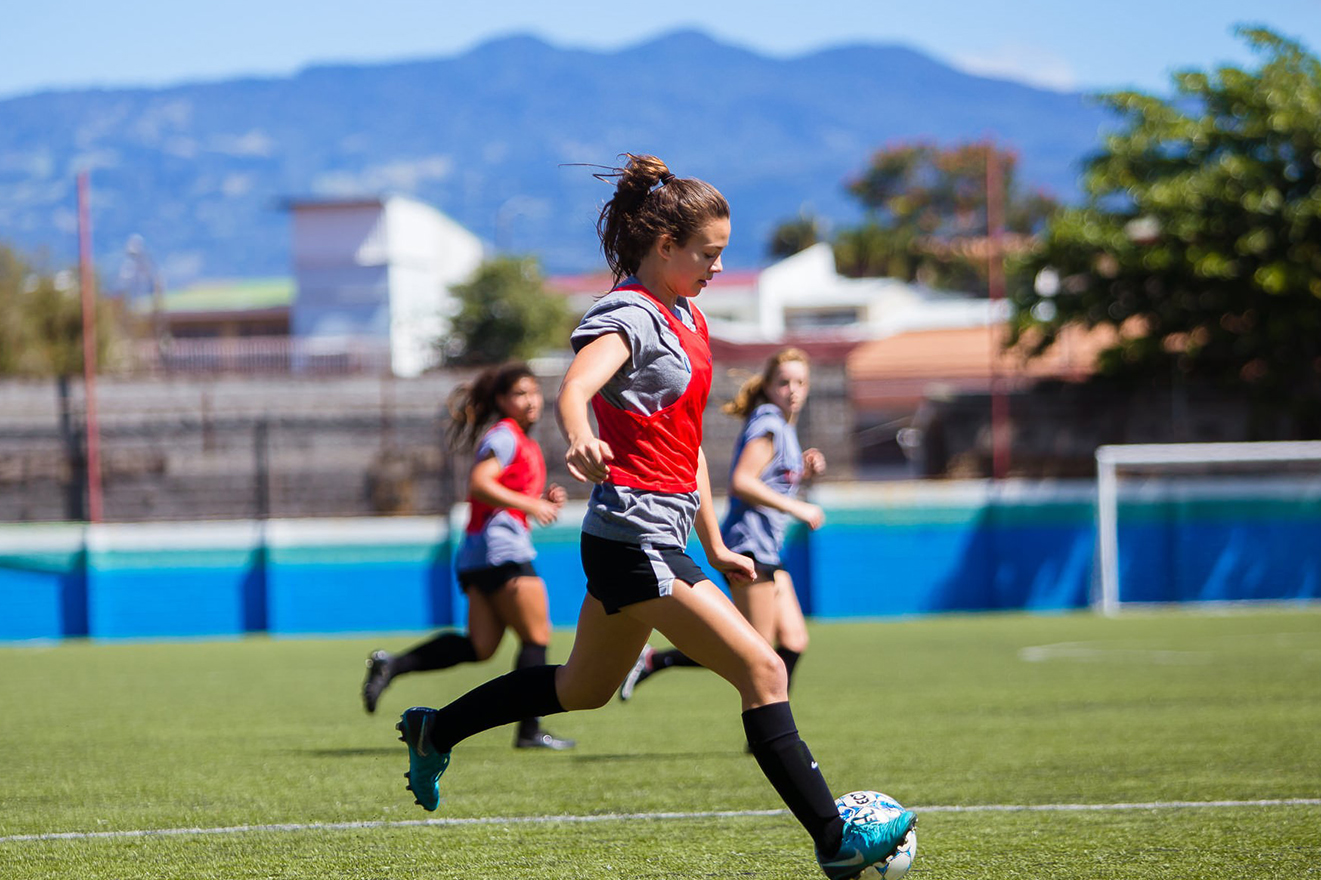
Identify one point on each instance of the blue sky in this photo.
(48, 44)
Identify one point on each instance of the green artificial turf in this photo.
(1020, 721)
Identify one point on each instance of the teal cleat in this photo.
(425, 764)
(867, 844)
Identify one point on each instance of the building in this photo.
(221, 309)
(377, 270)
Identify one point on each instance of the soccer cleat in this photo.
(378, 676)
(867, 844)
(544, 740)
(425, 764)
(640, 670)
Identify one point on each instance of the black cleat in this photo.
(378, 677)
(544, 740)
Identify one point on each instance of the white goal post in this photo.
(1109, 459)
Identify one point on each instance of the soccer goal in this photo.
(1265, 519)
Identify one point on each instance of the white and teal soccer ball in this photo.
(872, 806)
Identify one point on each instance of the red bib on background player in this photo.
(658, 452)
(525, 474)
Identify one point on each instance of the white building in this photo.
(377, 270)
(803, 295)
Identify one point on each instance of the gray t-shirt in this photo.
(759, 531)
(656, 375)
(503, 538)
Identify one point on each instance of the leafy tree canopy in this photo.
(792, 236)
(41, 320)
(1200, 236)
(926, 214)
(505, 312)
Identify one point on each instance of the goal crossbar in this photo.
(1110, 458)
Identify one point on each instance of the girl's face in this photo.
(689, 266)
(522, 402)
(788, 387)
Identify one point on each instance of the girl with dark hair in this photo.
(643, 364)
(769, 466)
(494, 562)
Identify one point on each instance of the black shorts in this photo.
(764, 571)
(620, 574)
(488, 580)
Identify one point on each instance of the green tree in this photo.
(505, 312)
(792, 236)
(926, 213)
(1200, 236)
(41, 320)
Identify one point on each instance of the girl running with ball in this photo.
(643, 364)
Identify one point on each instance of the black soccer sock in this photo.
(445, 650)
(672, 657)
(523, 693)
(790, 659)
(787, 763)
(530, 655)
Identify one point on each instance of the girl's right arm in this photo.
(747, 485)
(484, 485)
(588, 456)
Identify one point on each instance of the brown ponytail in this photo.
(650, 202)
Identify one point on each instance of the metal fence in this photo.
(257, 448)
(255, 356)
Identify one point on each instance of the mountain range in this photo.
(502, 138)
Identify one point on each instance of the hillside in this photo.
(201, 170)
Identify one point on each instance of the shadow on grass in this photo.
(377, 751)
(373, 752)
(661, 756)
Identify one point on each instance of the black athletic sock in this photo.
(672, 657)
(530, 655)
(787, 763)
(442, 652)
(790, 659)
(523, 693)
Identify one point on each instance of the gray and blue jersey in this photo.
(759, 531)
(503, 538)
(656, 375)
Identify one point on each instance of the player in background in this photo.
(494, 562)
(769, 466)
(643, 364)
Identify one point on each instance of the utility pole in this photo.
(996, 283)
(87, 283)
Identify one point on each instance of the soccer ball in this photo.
(862, 807)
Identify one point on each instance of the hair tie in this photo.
(665, 177)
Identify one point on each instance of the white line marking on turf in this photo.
(634, 817)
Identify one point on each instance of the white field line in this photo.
(643, 817)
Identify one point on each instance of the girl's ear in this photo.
(665, 246)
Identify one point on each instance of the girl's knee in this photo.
(484, 648)
(796, 642)
(575, 694)
(768, 679)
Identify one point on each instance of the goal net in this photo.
(1188, 522)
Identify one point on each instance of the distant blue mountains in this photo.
(492, 138)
